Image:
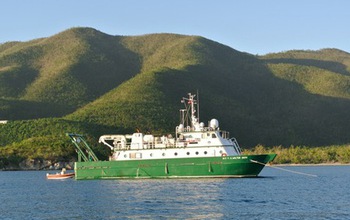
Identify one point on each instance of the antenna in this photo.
(190, 111)
(198, 106)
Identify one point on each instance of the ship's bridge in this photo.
(205, 138)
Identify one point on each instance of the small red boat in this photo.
(60, 176)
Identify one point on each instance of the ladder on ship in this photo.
(82, 148)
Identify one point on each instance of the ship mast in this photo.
(190, 105)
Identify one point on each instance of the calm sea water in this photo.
(276, 194)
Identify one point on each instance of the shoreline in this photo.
(308, 164)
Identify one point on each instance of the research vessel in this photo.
(195, 151)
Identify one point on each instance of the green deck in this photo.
(229, 166)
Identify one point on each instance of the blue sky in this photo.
(253, 26)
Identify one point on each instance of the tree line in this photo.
(305, 155)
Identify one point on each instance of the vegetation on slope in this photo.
(101, 84)
(45, 139)
(305, 155)
(137, 104)
(68, 70)
(324, 72)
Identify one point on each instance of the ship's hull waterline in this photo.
(204, 167)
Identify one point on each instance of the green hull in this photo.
(229, 166)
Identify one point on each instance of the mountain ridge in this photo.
(126, 82)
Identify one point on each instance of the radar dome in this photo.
(214, 123)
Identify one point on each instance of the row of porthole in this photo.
(175, 154)
(188, 153)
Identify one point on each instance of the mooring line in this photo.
(279, 168)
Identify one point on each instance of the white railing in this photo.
(236, 146)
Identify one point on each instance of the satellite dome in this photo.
(214, 123)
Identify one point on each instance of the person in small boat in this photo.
(63, 171)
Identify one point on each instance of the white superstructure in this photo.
(192, 139)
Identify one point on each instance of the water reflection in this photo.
(279, 195)
(169, 198)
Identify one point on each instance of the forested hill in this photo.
(83, 80)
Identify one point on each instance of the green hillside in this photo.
(64, 71)
(317, 100)
(106, 84)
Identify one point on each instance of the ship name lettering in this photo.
(144, 165)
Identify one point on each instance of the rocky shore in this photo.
(38, 164)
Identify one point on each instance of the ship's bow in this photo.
(258, 162)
